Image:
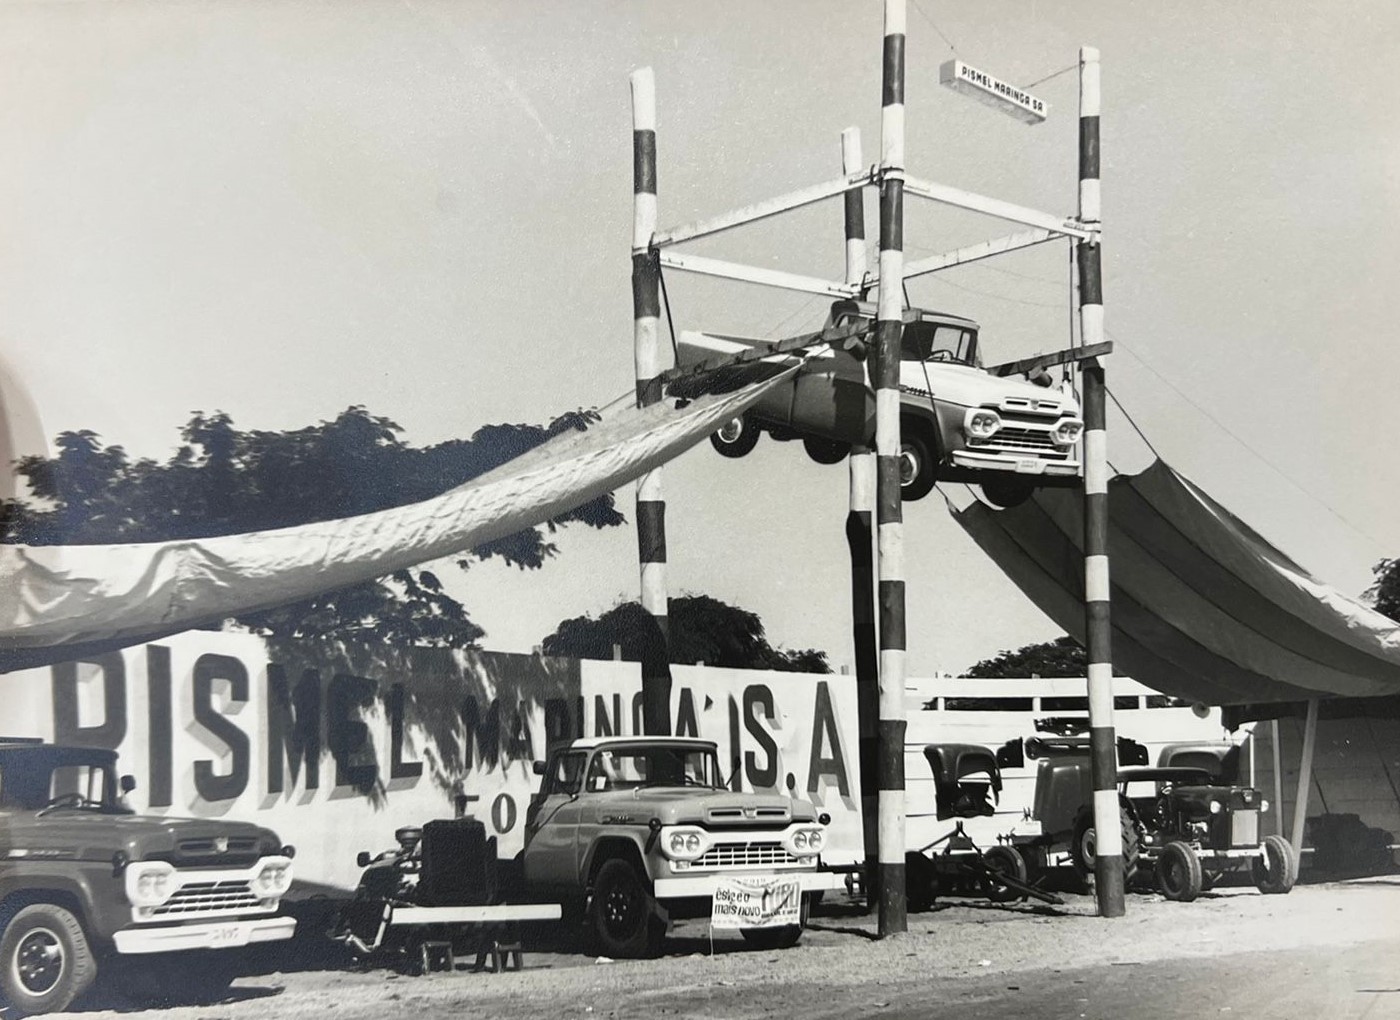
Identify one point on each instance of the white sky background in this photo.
(281, 209)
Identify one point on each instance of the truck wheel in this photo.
(825, 451)
(623, 913)
(1082, 847)
(735, 437)
(784, 937)
(45, 962)
(1179, 872)
(917, 462)
(1277, 869)
(1003, 489)
(1005, 860)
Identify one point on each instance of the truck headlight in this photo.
(981, 423)
(806, 841)
(1067, 432)
(1216, 807)
(684, 843)
(149, 883)
(274, 878)
(1263, 806)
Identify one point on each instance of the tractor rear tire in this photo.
(1082, 846)
(1179, 872)
(1277, 870)
(1005, 860)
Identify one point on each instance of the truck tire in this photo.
(1081, 849)
(736, 437)
(45, 961)
(784, 937)
(1005, 490)
(1179, 872)
(826, 451)
(1005, 860)
(623, 914)
(1277, 869)
(918, 462)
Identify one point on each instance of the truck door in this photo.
(551, 822)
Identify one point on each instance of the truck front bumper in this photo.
(1027, 465)
(210, 935)
(705, 885)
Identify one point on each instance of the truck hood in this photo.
(92, 835)
(972, 387)
(675, 805)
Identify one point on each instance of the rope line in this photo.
(666, 300)
(920, 8)
(1056, 74)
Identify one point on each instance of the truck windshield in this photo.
(624, 768)
(933, 341)
(36, 779)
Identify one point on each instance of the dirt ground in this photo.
(963, 951)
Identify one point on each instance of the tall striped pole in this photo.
(1108, 862)
(889, 516)
(860, 537)
(646, 311)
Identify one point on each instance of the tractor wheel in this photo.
(826, 451)
(1179, 872)
(920, 882)
(45, 962)
(735, 437)
(622, 914)
(1004, 489)
(918, 462)
(1082, 850)
(1277, 870)
(1005, 860)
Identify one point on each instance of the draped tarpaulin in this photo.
(59, 602)
(1202, 606)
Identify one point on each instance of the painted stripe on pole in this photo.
(1103, 755)
(1091, 323)
(892, 634)
(1088, 148)
(1100, 690)
(1101, 674)
(890, 535)
(651, 521)
(1109, 842)
(1090, 199)
(1096, 578)
(887, 413)
(654, 586)
(1096, 470)
(891, 826)
(1089, 100)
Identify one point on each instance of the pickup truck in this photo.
(86, 882)
(958, 422)
(629, 832)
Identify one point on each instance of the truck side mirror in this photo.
(538, 768)
(362, 859)
(127, 783)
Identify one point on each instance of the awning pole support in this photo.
(1278, 775)
(1300, 803)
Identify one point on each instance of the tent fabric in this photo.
(59, 602)
(1203, 607)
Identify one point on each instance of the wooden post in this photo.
(860, 536)
(889, 514)
(1103, 757)
(646, 311)
(1300, 803)
(1278, 775)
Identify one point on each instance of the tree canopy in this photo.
(1385, 593)
(702, 629)
(1062, 657)
(223, 480)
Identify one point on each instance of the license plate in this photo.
(1030, 466)
(226, 935)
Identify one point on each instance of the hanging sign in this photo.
(996, 93)
(756, 903)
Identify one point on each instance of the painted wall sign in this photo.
(985, 89)
(335, 749)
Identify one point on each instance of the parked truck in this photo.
(88, 885)
(624, 835)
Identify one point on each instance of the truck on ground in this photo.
(88, 886)
(624, 835)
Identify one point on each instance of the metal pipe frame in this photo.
(764, 277)
(1024, 215)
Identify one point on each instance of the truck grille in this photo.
(1244, 828)
(208, 898)
(236, 851)
(739, 855)
(1011, 437)
(750, 815)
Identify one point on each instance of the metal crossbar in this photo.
(850, 331)
(1053, 358)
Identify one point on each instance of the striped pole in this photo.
(646, 310)
(1108, 835)
(861, 537)
(889, 517)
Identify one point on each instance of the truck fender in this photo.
(68, 891)
(624, 845)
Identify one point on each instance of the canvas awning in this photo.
(1202, 606)
(58, 603)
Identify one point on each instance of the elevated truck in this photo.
(88, 886)
(624, 835)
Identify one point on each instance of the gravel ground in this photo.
(840, 968)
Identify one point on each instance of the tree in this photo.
(1062, 657)
(702, 629)
(1385, 593)
(223, 480)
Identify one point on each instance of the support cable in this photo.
(666, 300)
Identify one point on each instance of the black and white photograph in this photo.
(703, 510)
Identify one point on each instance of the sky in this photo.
(282, 209)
